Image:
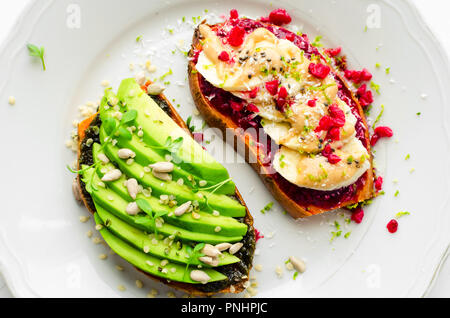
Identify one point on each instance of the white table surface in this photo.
(435, 13)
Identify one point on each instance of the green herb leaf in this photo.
(35, 51)
(110, 125)
(144, 206)
(129, 117)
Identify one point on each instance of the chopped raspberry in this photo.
(282, 92)
(312, 102)
(281, 102)
(236, 36)
(325, 123)
(392, 226)
(258, 236)
(327, 151)
(333, 159)
(279, 17)
(337, 114)
(272, 87)
(379, 183)
(358, 76)
(366, 75)
(264, 19)
(290, 37)
(253, 93)
(236, 106)
(358, 215)
(334, 52)
(334, 134)
(224, 56)
(384, 132)
(319, 70)
(234, 14)
(252, 108)
(374, 139)
(365, 96)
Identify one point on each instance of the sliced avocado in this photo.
(146, 155)
(115, 204)
(220, 202)
(207, 223)
(150, 264)
(194, 158)
(163, 249)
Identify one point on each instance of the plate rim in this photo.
(10, 265)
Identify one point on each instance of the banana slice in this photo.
(315, 172)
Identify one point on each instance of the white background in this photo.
(435, 13)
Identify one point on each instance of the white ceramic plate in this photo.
(44, 250)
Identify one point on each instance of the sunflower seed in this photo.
(162, 167)
(132, 208)
(211, 251)
(102, 157)
(112, 175)
(298, 264)
(223, 246)
(132, 186)
(182, 208)
(126, 153)
(235, 248)
(155, 89)
(162, 176)
(213, 261)
(200, 276)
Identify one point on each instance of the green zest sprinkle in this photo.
(335, 235)
(407, 157)
(170, 72)
(316, 42)
(379, 116)
(400, 214)
(347, 234)
(267, 208)
(139, 38)
(375, 87)
(33, 50)
(419, 113)
(378, 65)
(396, 193)
(388, 71)
(295, 275)
(337, 225)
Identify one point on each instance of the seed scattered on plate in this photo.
(105, 83)
(119, 268)
(103, 256)
(12, 100)
(139, 284)
(84, 219)
(258, 267)
(89, 234)
(279, 271)
(171, 295)
(121, 288)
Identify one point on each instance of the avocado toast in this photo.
(159, 200)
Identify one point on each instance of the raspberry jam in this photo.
(233, 107)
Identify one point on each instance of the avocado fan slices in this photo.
(177, 225)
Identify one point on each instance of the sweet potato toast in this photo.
(86, 131)
(281, 189)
